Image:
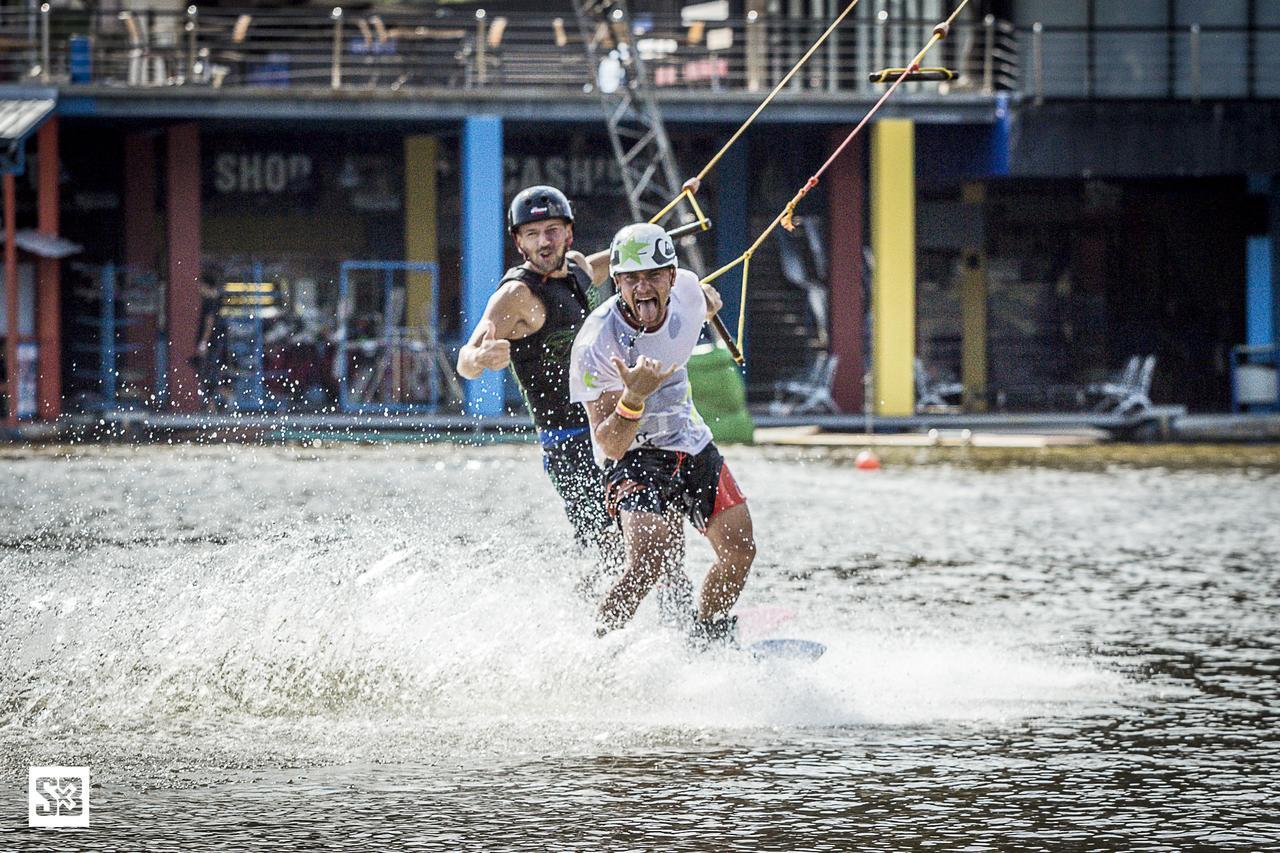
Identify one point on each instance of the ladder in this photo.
(639, 137)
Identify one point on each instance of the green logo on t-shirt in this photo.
(558, 345)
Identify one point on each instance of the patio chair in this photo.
(233, 58)
(810, 393)
(1130, 391)
(1117, 386)
(931, 393)
(136, 29)
(1139, 398)
(480, 62)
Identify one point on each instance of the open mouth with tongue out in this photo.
(648, 310)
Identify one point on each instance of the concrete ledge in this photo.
(813, 437)
(1157, 417)
(302, 104)
(1162, 423)
(1212, 428)
(144, 426)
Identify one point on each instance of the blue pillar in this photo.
(1274, 332)
(482, 243)
(732, 235)
(998, 154)
(1259, 303)
(1261, 258)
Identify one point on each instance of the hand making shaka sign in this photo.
(644, 378)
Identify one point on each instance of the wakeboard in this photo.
(786, 649)
(754, 622)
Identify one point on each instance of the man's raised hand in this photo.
(492, 352)
(643, 379)
(712, 297)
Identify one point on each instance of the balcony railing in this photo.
(1183, 62)
(396, 50)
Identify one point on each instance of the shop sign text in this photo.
(255, 173)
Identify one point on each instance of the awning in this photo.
(43, 245)
(20, 118)
(22, 111)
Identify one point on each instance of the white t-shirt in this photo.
(670, 421)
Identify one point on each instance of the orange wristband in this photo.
(625, 412)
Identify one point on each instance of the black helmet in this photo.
(534, 204)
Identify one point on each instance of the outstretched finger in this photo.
(490, 330)
(670, 370)
(621, 366)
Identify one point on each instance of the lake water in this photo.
(383, 647)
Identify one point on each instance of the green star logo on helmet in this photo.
(630, 250)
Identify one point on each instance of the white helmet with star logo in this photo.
(642, 246)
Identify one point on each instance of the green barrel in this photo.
(720, 395)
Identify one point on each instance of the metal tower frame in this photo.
(633, 117)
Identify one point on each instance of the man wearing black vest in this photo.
(529, 324)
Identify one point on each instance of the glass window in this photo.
(1213, 13)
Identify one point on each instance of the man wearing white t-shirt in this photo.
(628, 370)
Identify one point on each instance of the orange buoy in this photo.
(867, 460)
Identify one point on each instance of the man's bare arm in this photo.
(512, 313)
(614, 434)
(598, 266)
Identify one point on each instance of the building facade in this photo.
(1091, 188)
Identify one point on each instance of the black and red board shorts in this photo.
(698, 486)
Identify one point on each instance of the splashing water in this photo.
(176, 615)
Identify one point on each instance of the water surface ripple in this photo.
(389, 648)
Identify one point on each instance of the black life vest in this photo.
(541, 361)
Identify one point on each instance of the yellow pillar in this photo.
(973, 311)
(419, 223)
(893, 245)
(973, 342)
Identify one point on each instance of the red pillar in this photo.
(183, 217)
(848, 310)
(141, 246)
(10, 301)
(49, 279)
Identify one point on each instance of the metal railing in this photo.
(468, 49)
(1184, 62)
